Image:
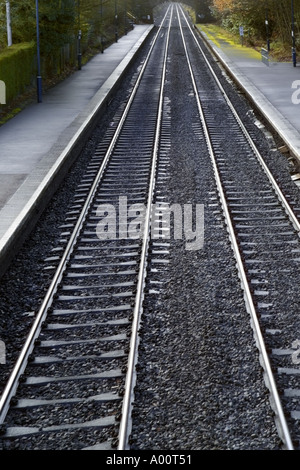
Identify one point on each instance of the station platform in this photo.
(40, 143)
(274, 87)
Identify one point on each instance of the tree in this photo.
(203, 10)
(61, 19)
(253, 13)
(21, 30)
(56, 24)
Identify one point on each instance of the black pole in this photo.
(79, 56)
(101, 13)
(116, 21)
(293, 36)
(39, 78)
(267, 30)
(125, 16)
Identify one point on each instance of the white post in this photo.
(9, 36)
(2, 92)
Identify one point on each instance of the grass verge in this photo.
(279, 52)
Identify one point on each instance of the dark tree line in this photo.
(59, 20)
(282, 17)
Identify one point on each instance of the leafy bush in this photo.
(252, 14)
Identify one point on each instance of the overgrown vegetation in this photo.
(59, 20)
(282, 16)
(17, 78)
(100, 22)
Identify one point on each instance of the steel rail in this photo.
(284, 202)
(21, 363)
(270, 381)
(125, 424)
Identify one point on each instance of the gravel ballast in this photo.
(199, 384)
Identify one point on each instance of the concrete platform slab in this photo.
(268, 86)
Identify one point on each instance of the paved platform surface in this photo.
(35, 144)
(269, 85)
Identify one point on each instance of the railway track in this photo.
(93, 305)
(259, 219)
(73, 385)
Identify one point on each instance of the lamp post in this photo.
(39, 78)
(8, 24)
(79, 37)
(116, 21)
(125, 16)
(267, 29)
(101, 15)
(293, 36)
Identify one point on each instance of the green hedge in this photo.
(17, 68)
